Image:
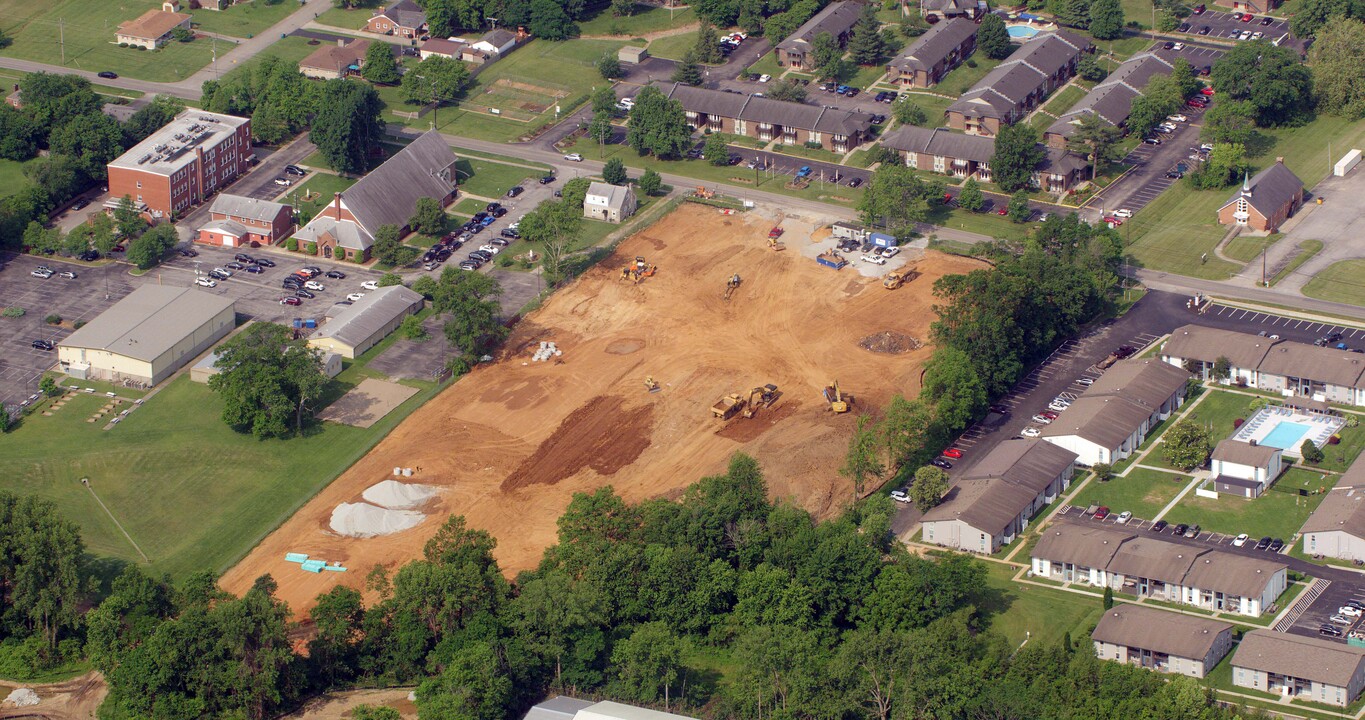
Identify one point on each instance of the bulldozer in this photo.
(704, 194)
(731, 285)
(651, 384)
(838, 401)
(759, 397)
(729, 405)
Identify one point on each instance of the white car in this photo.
(1030, 432)
(355, 296)
(1178, 118)
(575, 157)
(1341, 620)
(490, 249)
(314, 285)
(1206, 148)
(890, 252)
(874, 259)
(1178, 46)
(1349, 611)
(1123, 517)
(1041, 419)
(223, 273)
(900, 496)
(1086, 381)
(625, 103)
(207, 282)
(1240, 540)
(44, 274)
(1123, 213)
(370, 285)
(765, 77)
(285, 182)
(1057, 407)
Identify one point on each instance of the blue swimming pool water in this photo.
(1285, 435)
(1021, 31)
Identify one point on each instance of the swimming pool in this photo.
(1285, 435)
(1021, 31)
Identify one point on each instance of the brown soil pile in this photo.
(742, 429)
(599, 435)
(890, 342)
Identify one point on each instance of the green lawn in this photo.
(1142, 492)
(1139, 10)
(490, 179)
(190, 492)
(325, 184)
(820, 154)
(1039, 614)
(12, 178)
(983, 223)
(1122, 48)
(1304, 149)
(866, 76)
(647, 19)
(767, 65)
(933, 106)
(243, 20)
(673, 47)
(964, 76)
(87, 33)
(1246, 248)
(1064, 100)
(290, 50)
(347, 19)
(1307, 249)
(1339, 282)
(468, 207)
(1177, 233)
(1276, 514)
(1340, 456)
(1218, 410)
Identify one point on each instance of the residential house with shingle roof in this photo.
(1112, 99)
(932, 10)
(1112, 417)
(768, 119)
(943, 151)
(1019, 84)
(151, 29)
(1159, 640)
(1266, 199)
(1304, 668)
(837, 19)
(1337, 528)
(933, 54)
(995, 500)
(404, 18)
(345, 228)
(607, 202)
(1292, 369)
(330, 62)
(1145, 565)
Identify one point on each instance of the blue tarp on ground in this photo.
(314, 566)
(295, 557)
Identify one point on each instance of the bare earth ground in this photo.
(511, 443)
(338, 706)
(367, 402)
(74, 699)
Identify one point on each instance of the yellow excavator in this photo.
(759, 397)
(651, 384)
(731, 285)
(838, 401)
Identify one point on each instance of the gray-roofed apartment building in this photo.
(945, 152)
(1143, 565)
(995, 500)
(1292, 369)
(345, 228)
(147, 335)
(1112, 99)
(768, 119)
(1244, 468)
(1112, 417)
(933, 54)
(367, 321)
(1337, 528)
(837, 19)
(1160, 640)
(1299, 667)
(1019, 84)
(566, 708)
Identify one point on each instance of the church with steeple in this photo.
(1265, 200)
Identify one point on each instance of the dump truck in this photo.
(760, 397)
(775, 245)
(731, 285)
(831, 259)
(897, 278)
(838, 401)
(728, 406)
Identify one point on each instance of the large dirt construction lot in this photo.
(510, 443)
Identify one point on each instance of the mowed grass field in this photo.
(12, 178)
(1339, 282)
(244, 19)
(646, 19)
(87, 28)
(1031, 612)
(193, 494)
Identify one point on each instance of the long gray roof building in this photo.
(751, 108)
(931, 48)
(246, 207)
(1324, 661)
(836, 18)
(1112, 99)
(1119, 402)
(149, 321)
(368, 315)
(1006, 88)
(1161, 631)
(975, 148)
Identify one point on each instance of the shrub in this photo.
(13, 312)
(359, 259)
(79, 324)
(1352, 421)
(312, 248)
(48, 386)
(292, 245)
(53, 319)
(1334, 440)
(814, 145)
(1237, 423)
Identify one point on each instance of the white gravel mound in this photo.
(23, 697)
(363, 520)
(398, 496)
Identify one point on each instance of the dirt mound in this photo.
(599, 435)
(625, 346)
(742, 429)
(890, 342)
(395, 495)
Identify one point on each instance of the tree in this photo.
(91, 140)
(1103, 471)
(127, 220)
(43, 576)
(650, 182)
(1017, 154)
(971, 199)
(549, 21)
(388, 248)
(716, 150)
(1222, 368)
(1018, 209)
(898, 198)
(788, 90)
(1108, 601)
(411, 329)
(102, 233)
(1187, 445)
(1226, 166)
(268, 381)
(707, 47)
(866, 46)
(622, 8)
(828, 58)
(150, 118)
(929, 487)
(470, 299)
(1071, 13)
(658, 125)
(862, 462)
(953, 386)
(347, 126)
(1336, 57)
(992, 38)
(475, 685)
(1166, 21)
(1106, 19)
(1097, 140)
(77, 241)
(380, 66)
(909, 113)
(1312, 454)
(688, 70)
(428, 217)
(435, 80)
(1313, 15)
(648, 664)
(1230, 122)
(374, 712)
(333, 651)
(614, 172)
(149, 248)
(1271, 78)
(610, 68)
(600, 129)
(1089, 68)
(389, 279)
(604, 101)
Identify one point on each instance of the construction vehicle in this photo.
(703, 193)
(838, 401)
(760, 397)
(775, 245)
(898, 278)
(731, 285)
(727, 406)
(651, 384)
(640, 269)
(831, 259)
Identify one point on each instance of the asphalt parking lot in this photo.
(1147, 179)
(1222, 25)
(1305, 331)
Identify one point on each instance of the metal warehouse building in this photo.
(147, 336)
(362, 325)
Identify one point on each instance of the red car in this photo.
(1113, 221)
(290, 301)
(1208, 91)
(1248, 17)
(775, 232)
(1102, 513)
(1196, 104)
(953, 453)
(1003, 211)
(947, 198)
(1049, 415)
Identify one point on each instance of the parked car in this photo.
(1240, 540)
(1207, 91)
(1263, 543)
(90, 255)
(207, 282)
(1199, 9)
(1329, 630)
(294, 170)
(855, 182)
(546, 179)
(1180, 529)
(284, 182)
(515, 190)
(874, 259)
(1349, 611)
(304, 294)
(1030, 432)
(67, 274)
(1204, 30)
(1276, 545)
(1041, 419)
(255, 269)
(107, 75)
(1123, 517)
(336, 274)
(315, 285)
(900, 496)
(1159, 525)
(804, 171)
(890, 252)
(1151, 140)
(234, 265)
(953, 453)
(1178, 118)
(290, 300)
(355, 296)
(1123, 213)
(1342, 620)
(1192, 532)
(263, 262)
(765, 77)
(1101, 512)
(221, 273)
(41, 273)
(42, 345)
(940, 462)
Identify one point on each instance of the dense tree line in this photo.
(44, 577)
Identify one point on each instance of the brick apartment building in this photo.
(235, 221)
(188, 159)
(769, 119)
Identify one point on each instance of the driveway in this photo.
(1338, 223)
(1223, 26)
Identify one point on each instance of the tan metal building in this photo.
(370, 319)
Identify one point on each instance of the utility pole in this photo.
(1263, 282)
(61, 37)
(215, 56)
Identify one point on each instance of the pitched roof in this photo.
(1276, 357)
(976, 148)
(152, 24)
(389, 194)
(443, 46)
(347, 234)
(336, 58)
(1148, 628)
(767, 110)
(615, 194)
(1004, 89)
(608, 710)
(225, 227)
(368, 314)
(1195, 342)
(1112, 99)
(1324, 661)
(498, 38)
(1091, 546)
(1270, 189)
(1244, 453)
(245, 207)
(837, 18)
(1003, 484)
(932, 47)
(1033, 464)
(1234, 573)
(406, 13)
(1117, 404)
(149, 321)
(949, 6)
(557, 708)
(1344, 508)
(1147, 381)
(1328, 365)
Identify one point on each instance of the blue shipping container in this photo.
(883, 240)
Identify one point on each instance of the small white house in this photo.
(1245, 468)
(496, 42)
(612, 203)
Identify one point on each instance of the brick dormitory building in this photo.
(768, 119)
(181, 164)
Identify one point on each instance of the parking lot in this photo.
(1289, 328)
(1225, 26)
